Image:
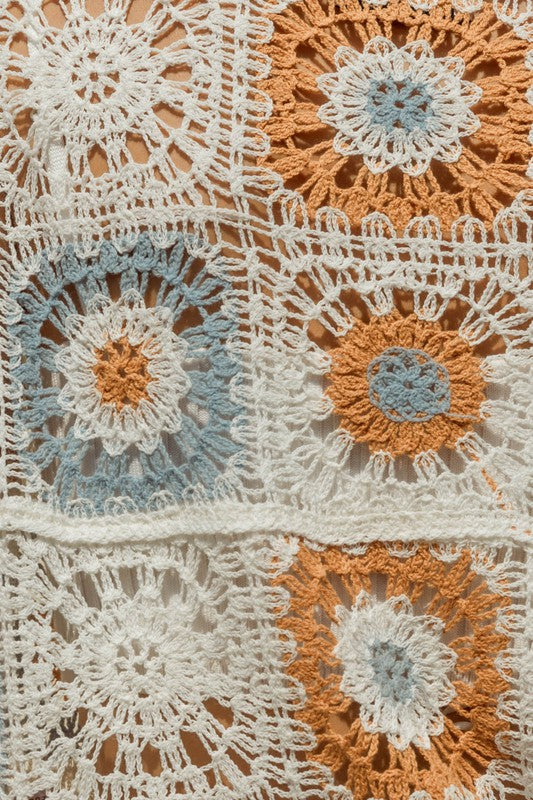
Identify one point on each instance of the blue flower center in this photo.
(393, 671)
(399, 104)
(407, 385)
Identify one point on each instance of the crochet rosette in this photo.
(266, 400)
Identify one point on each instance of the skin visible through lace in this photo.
(123, 391)
(370, 766)
(122, 374)
(169, 116)
(110, 83)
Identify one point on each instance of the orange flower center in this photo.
(121, 372)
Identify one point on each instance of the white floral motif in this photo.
(145, 660)
(159, 679)
(93, 79)
(121, 112)
(150, 331)
(398, 106)
(396, 667)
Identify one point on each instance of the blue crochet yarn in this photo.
(399, 104)
(198, 453)
(393, 670)
(407, 385)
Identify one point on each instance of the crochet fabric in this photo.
(266, 399)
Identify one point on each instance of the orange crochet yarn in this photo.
(404, 385)
(121, 373)
(477, 171)
(324, 586)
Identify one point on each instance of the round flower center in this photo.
(393, 671)
(122, 374)
(97, 85)
(399, 104)
(407, 385)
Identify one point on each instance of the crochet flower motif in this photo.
(398, 106)
(404, 385)
(137, 652)
(105, 109)
(148, 674)
(96, 80)
(397, 653)
(125, 377)
(396, 667)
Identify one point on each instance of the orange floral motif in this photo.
(326, 586)
(478, 170)
(405, 385)
(122, 373)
